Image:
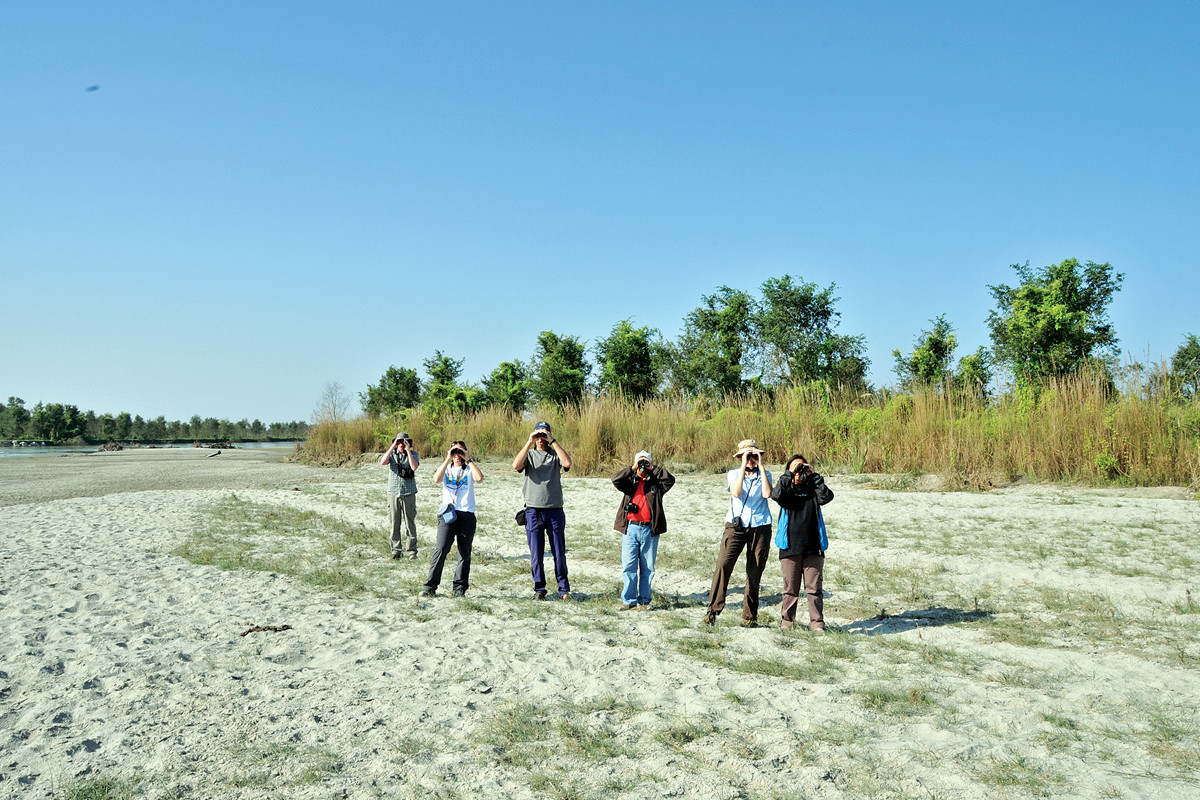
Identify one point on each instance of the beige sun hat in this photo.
(747, 446)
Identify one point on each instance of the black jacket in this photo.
(658, 483)
(801, 501)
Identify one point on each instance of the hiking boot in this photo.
(749, 623)
(630, 607)
(460, 592)
(565, 597)
(411, 556)
(427, 592)
(709, 619)
(540, 595)
(395, 556)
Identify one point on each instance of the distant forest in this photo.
(64, 423)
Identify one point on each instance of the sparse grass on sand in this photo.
(979, 645)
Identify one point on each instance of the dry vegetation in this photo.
(1075, 429)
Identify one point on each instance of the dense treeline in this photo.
(1048, 399)
(60, 422)
(1053, 323)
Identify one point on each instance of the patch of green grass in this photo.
(321, 550)
(265, 764)
(679, 734)
(518, 733)
(1185, 604)
(902, 701)
(1020, 630)
(559, 786)
(103, 787)
(1018, 772)
(839, 733)
(526, 735)
(1171, 737)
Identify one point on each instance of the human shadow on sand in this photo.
(932, 617)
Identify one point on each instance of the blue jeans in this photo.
(639, 549)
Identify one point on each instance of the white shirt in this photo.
(458, 488)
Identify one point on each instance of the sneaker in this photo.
(427, 592)
(749, 623)
(643, 607)
(709, 619)
(540, 595)
(460, 592)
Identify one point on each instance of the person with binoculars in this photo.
(402, 462)
(543, 460)
(801, 539)
(457, 476)
(640, 519)
(747, 527)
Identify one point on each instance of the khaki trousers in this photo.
(757, 544)
(402, 518)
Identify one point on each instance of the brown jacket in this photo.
(658, 483)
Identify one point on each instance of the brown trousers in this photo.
(757, 544)
(809, 569)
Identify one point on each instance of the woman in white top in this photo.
(457, 476)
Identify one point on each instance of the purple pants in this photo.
(541, 523)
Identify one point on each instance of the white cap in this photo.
(642, 454)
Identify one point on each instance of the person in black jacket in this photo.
(800, 492)
(641, 519)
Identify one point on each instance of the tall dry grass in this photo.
(1075, 429)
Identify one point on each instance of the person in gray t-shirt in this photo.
(402, 462)
(543, 461)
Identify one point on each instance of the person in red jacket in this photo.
(640, 519)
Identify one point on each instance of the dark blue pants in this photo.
(541, 523)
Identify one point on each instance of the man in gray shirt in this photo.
(402, 462)
(543, 461)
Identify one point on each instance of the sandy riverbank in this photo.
(1035, 641)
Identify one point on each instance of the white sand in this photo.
(119, 660)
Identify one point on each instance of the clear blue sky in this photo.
(263, 197)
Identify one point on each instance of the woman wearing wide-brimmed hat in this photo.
(747, 527)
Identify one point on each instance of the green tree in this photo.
(1185, 364)
(156, 429)
(795, 329)
(398, 388)
(508, 386)
(560, 370)
(443, 393)
(124, 425)
(629, 362)
(1055, 319)
(929, 362)
(14, 419)
(712, 352)
(974, 373)
(56, 422)
(442, 369)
